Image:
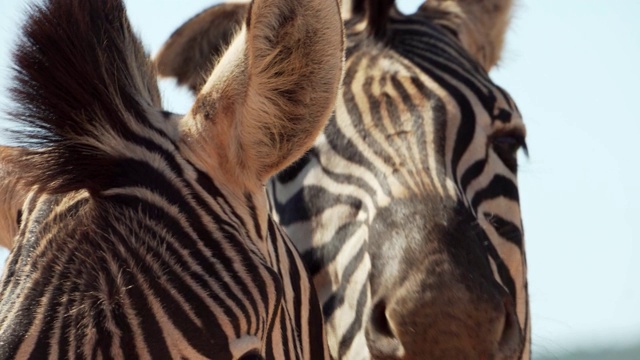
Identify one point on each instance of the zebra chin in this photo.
(436, 297)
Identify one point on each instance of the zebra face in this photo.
(436, 236)
(418, 169)
(146, 235)
(412, 200)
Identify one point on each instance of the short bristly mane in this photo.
(82, 86)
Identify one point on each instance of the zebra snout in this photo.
(381, 335)
(455, 324)
(511, 339)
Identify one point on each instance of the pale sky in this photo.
(572, 67)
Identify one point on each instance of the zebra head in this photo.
(406, 210)
(144, 234)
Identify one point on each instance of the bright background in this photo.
(572, 67)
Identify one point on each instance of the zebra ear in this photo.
(12, 194)
(191, 51)
(480, 24)
(274, 88)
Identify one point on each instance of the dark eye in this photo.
(506, 147)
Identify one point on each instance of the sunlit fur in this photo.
(145, 234)
(410, 193)
(12, 196)
(185, 66)
(480, 25)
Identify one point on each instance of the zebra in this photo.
(144, 234)
(406, 209)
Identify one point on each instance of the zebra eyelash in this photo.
(512, 141)
(506, 146)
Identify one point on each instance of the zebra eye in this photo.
(506, 147)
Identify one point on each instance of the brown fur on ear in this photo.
(191, 51)
(480, 24)
(272, 91)
(12, 194)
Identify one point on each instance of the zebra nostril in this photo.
(511, 340)
(252, 355)
(382, 340)
(379, 320)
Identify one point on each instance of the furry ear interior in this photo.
(273, 90)
(481, 25)
(191, 51)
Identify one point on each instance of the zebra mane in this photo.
(80, 77)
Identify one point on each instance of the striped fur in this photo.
(147, 235)
(410, 193)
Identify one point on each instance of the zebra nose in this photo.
(444, 327)
(511, 339)
(381, 337)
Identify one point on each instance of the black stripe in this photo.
(66, 320)
(78, 329)
(104, 337)
(318, 257)
(503, 270)
(316, 335)
(311, 201)
(356, 324)
(293, 210)
(115, 310)
(55, 289)
(296, 281)
(254, 215)
(506, 229)
(472, 173)
(500, 186)
(337, 298)
(284, 316)
(292, 171)
(168, 155)
(142, 313)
